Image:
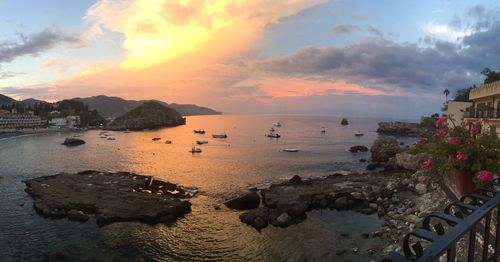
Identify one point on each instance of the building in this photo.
(65, 122)
(15, 120)
(454, 111)
(58, 121)
(486, 104)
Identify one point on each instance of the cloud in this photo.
(374, 31)
(36, 43)
(389, 66)
(344, 29)
(159, 31)
(445, 32)
(23, 91)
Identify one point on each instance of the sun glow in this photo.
(159, 31)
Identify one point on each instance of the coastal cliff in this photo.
(149, 115)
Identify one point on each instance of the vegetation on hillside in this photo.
(149, 115)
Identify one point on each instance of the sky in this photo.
(331, 57)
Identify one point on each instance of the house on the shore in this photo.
(485, 105)
(65, 122)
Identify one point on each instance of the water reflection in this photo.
(226, 165)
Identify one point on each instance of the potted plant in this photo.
(469, 156)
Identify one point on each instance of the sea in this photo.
(225, 167)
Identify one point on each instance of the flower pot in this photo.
(464, 183)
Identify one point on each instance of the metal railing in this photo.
(441, 232)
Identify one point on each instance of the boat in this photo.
(199, 131)
(111, 138)
(272, 129)
(201, 142)
(290, 150)
(219, 135)
(127, 131)
(195, 150)
(273, 134)
(277, 124)
(344, 122)
(156, 138)
(358, 133)
(103, 136)
(323, 130)
(168, 141)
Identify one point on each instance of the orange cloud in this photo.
(294, 87)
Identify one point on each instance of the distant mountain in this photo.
(5, 100)
(31, 102)
(109, 106)
(149, 115)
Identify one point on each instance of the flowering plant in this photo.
(462, 148)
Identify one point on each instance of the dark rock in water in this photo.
(250, 200)
(401, 143)
(73, 142)
(385, 148)
(344, 122)
(372, 166)
(110, 197)
(257, 218)
(362, 160)
(355, 149)
(295, 179)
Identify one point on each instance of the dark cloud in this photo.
(374, 31)
(34, 44)
(344, 29)
(484, 17)
(389, 66)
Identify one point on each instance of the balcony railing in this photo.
(441, 234)
(482, 114)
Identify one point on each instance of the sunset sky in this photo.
(354, 58)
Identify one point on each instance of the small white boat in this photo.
(168, 141)
(156, 138)
(199, 131)
(201, 142)
(323, 130)
(290, 150)
(127, 131)
(277, 124)
(195, 150)
(219, 135)
(358, 133)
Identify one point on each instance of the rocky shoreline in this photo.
(404, 129)
(109, 197)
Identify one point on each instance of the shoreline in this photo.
(9, 134)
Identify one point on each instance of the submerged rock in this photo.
(257, 218)
(73, 142)
(110, 197)
(248, 201)
(296, 179)
(355, 149)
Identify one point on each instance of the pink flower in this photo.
(421, 141)
(485, 176)
(453, 141)
(461, 157)
(473, 130)
(427, 164)
(440, 121)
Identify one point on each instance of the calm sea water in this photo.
(225, 166)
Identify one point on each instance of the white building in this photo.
(454, 111)
(58, 121)
(69, 121)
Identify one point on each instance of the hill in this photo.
(30, 102)
(149, 115)
(5, 100)
(109, 106)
